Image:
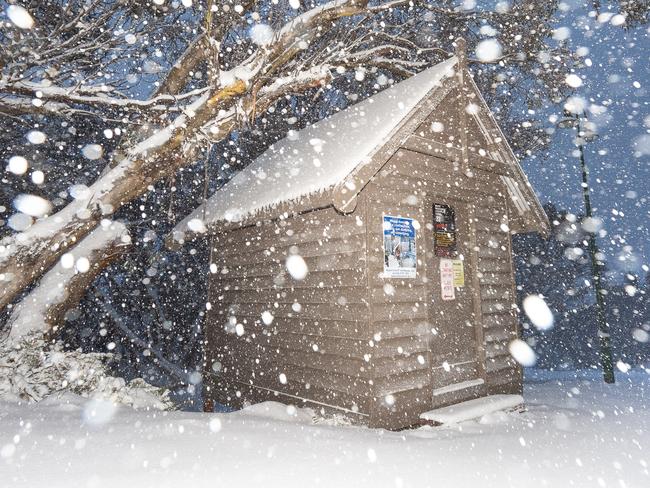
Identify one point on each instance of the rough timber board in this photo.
(472, 409)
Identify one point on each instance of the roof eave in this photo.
(314, 201)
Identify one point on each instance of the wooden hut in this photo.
(363, 264)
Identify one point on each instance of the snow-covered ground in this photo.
(577, 432)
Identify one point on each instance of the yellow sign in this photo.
(459, 272)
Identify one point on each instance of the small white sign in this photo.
(447, 279)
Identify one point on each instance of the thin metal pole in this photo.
(606, 360)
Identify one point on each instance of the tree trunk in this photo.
(29, 256)
(26, 256)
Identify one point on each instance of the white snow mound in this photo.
(279, 411)
(32, 369)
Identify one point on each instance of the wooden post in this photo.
(461, 54)
(461, 73)
(208, 405)
(208, 383)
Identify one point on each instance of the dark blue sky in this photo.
(615, 76)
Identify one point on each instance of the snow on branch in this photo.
(252, 86)
(48, 92)
(45, 305)
(452, 12)
(323, 13)
(16, 106)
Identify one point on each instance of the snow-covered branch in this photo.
(24, 257)
(305, 52)
(65, 283)
(454, 12)
(16, 106)
(46, 92)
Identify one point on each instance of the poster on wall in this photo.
(459, 272)
(400, 258)
(447, 279)
(444, 228)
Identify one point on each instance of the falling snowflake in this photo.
(522, 353)
(267, 317)
(17, 165)
(538, 312)
(92, 151)
(488, 50)
(32, 205)
(79, 192)
(214, 425)
(573, 80)
(38, 177)
(261, 34)
(197, 225)
(297, 267)
(82, 265)
(20, 17)
(36, 137)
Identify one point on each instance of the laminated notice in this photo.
(400, 255)
(447, 279)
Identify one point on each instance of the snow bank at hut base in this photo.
(576, 433)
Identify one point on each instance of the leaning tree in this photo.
(127, 94)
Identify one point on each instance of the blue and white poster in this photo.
(400, 258)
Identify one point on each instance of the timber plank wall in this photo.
(350, 344)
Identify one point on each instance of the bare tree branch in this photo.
(26, 256)
(304, 53)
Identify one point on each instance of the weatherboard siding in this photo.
(319, 347)
(400, 363)
(388, 349)
(406, 370)
(500, 325)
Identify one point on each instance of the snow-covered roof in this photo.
(320, 156)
